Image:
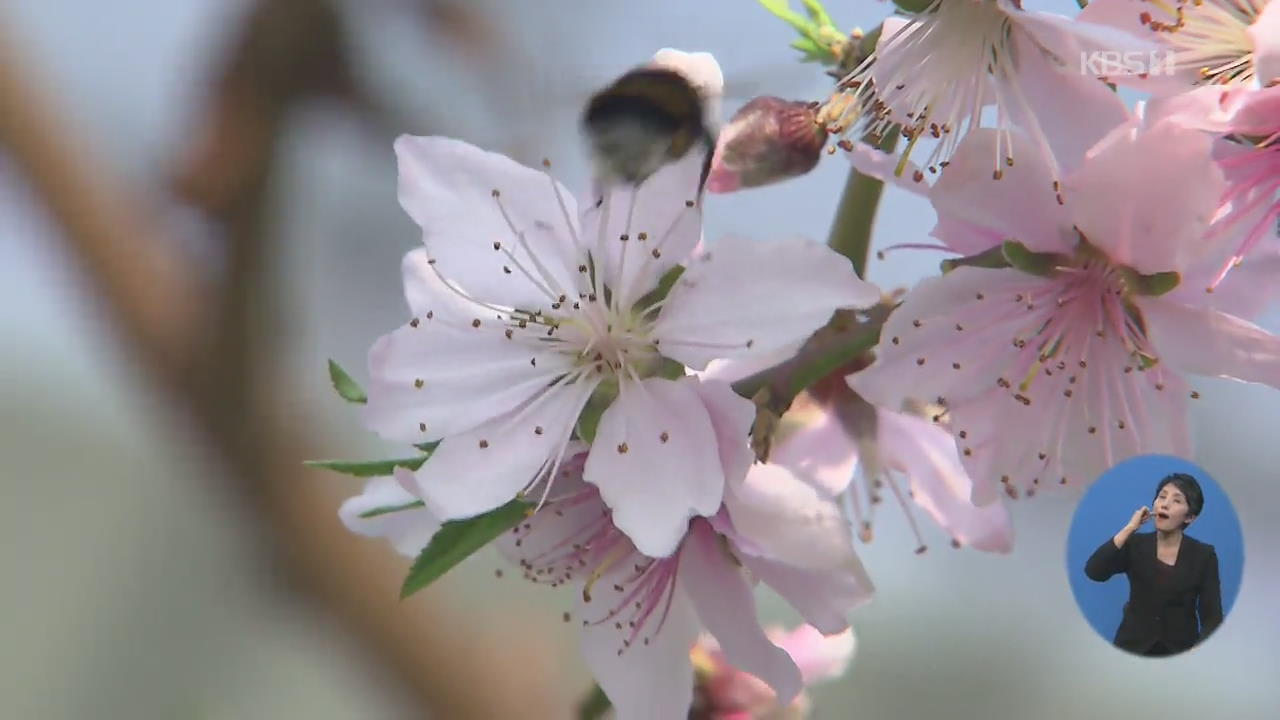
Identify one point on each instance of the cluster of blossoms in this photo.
(583, 360)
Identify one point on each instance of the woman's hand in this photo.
(1140, 516)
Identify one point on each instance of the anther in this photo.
(417, 383)
(422, 427)
(413, 323)
(622, 448)
(484, 444)
(497, 245)
(537, 430)
(475, 323)
(664, 436)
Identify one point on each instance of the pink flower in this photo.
(727, 693)
(640, 615)
(522, 311)
(1251, 165)
(899, 447)
(934, 73)
(1073, 359)
(1215, 42)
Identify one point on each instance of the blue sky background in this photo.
(1110, 503)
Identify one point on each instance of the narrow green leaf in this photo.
(990, 258)
(347, 388)
(782, 9)
(818, 13)
(1032, 263)
(1157, 284)
(812, 49)
(457, 540)
(595, 705)
(368, 468)
(388, 509)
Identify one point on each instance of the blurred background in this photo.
(197, 208)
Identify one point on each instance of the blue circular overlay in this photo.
(1109, 504)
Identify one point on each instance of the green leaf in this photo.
(368, 468)
(991, 258)
(604, 395)
(347, 388)
(1157, 284)
(388, 509)
(813, 51)
(818, 13)
(782, 9)
(457, 540)
(1032, 263)
(595, 705)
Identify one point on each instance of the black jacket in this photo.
(1162, 611)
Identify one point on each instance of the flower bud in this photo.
(768, 140)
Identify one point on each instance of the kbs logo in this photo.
(1113, 63)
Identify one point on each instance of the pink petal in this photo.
(661, 215)
(1021, 205)
(656, 485)
(731, 418)
(1209, 342)
(822, 452)
(447, 187)
(643, 681)
(1125, 15)
(883, 166)
(440, 371)
(781, 516)
(926, 455)
(924, 327)
(1059, 107)
(823, 598)
(964, 237)
(820, 657)
(1265, 34)
(727, 608)
(484, 468)
(1132, 200)
(741, 299)
(408, 531)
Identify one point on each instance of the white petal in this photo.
(441, 371)
(661, 221)
(655, 485)
(725, 604)
(448, 186)
(1209, 342)
(646, 681)
(731, 418)
(744, 298)
(479, 470)
(408, 531)
(1265, 34)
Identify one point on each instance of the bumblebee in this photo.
(647, 118)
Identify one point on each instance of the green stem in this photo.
(856, 214)
(594, 705)
(840, 342)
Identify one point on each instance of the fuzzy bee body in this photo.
(647, 118)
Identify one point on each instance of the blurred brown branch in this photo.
(205, 343)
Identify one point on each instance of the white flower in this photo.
(521, 311)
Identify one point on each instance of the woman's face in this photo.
(1170, 509)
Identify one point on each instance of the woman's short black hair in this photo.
(1190, 490)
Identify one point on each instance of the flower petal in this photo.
(822, 452)
(1126, 15)
(725, 604)
(646, 680)
(484, 468)
(1020, 206)
(1209, 342)
(822, 598)
(636, 233)
(1265, 34)
(776, 514)
(731, 417)
(1131, 198)
(408, 531)
(466, 200)
(442, 371)
(926, 455)
(1058, 106)
(819, 657)
(656, 462)
(742, 299)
